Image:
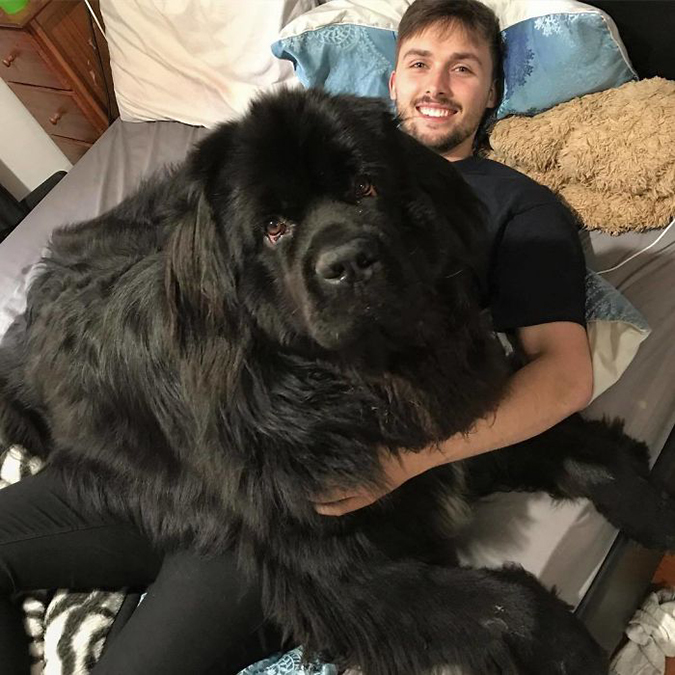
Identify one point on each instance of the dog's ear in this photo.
(198, 278)
(435, 190)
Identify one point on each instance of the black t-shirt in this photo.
(537, 270)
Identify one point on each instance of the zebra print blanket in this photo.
(67, 630)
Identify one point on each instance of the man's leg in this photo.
(198, 614)
(47, 543)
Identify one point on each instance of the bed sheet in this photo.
(564, 543)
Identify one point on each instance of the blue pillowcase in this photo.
(606, 303)
(289, 663)
(343, 59)
(557, 57)
(549, 59)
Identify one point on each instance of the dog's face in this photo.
(339, 230)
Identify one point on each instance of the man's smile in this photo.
(435, 112)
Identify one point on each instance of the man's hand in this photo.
(396, 470)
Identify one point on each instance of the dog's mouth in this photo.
(364, 344)
(366, 324)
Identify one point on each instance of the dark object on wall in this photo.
(646, 28)
(11, 213)
(42, 190)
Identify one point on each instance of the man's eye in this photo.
(462, 69)
(417, 64)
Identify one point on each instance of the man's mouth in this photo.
(435, 112)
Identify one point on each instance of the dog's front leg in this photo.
(590, 459)
(408, 618)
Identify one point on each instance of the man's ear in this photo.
(492, 95)
(392, 85)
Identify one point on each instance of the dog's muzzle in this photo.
(353, 262)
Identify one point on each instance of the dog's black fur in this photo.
(249, 328)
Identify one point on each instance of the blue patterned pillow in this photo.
(342, 59)
(557, 57)
(349, 46)
(289, 664)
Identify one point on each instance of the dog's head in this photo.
(326, 224)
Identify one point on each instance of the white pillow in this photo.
(195, 61)
(614, 345)
(615, 328)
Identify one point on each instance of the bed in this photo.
(567, 545)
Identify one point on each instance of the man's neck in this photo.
(461, 151)
(456, 157)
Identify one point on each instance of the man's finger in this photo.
(342, 506)
(334, 498)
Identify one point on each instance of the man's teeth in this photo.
(436, 112)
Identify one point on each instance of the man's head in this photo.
(448, 72)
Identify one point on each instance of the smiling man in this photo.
(444, 81)
(447, 82)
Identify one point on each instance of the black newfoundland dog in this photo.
(248, 329)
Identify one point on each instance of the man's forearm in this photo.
(555, 383)
(538, 397)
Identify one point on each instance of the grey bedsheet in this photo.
(563, 544)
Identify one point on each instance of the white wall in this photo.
(27, 155)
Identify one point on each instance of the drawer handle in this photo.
(9, 60)
(54, 119)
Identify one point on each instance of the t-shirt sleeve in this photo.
(538, 269)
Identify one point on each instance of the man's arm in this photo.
(556, 382)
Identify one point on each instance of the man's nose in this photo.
(438, 84)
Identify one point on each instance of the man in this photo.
(447, 80)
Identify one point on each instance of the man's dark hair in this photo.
(473, 16)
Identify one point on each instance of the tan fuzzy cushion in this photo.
(610, 155)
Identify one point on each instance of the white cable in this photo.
(635, 255)
(93, 13)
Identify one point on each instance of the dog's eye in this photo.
(276, 228)
(363, 187)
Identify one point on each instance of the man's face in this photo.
(442, 85)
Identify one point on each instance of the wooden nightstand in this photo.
(58, 66)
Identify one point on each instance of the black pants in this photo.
(199, 616)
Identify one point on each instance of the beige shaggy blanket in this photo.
(610, 156)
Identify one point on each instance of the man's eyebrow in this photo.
(464, 56)
(457, 56)
(417, 52)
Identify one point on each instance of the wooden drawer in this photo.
(57, 112)
(67, 25)
(22, 62)
(72, 149)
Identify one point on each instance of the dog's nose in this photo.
(348, 263)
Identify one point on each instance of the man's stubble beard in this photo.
(442, 144)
